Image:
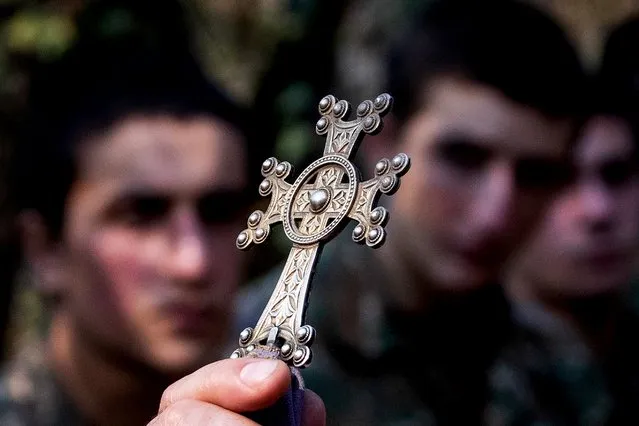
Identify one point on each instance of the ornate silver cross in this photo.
(312, 210)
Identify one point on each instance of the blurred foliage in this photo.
(238, 40)
(35, 32)
(588, 21)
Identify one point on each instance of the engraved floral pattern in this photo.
(276, 209)
(338, 201)
(286, 304)
(311, 224)
(341, 141)
(303, 202)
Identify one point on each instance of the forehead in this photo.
(602, 139)
(165, 152)
(464, 109)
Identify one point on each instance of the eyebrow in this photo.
(457, 137)
(222, 195)
(149, 192)
(610, 159)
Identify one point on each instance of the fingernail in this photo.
(256, 372)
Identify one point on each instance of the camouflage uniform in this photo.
(548, 375)
(30, 394)
(368, 364)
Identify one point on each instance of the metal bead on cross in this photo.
(312, 210)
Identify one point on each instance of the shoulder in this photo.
(252, 298)
(254, 295)
(17, 393)
(29, 393)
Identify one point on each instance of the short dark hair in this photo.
(617, 82)
(505, 44)
(95, 85)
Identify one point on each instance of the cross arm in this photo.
(370, 229)
(259, 222)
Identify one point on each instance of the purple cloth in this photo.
(287, 411)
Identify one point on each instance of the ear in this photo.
(382, 145)
(43, 255)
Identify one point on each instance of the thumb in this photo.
(239, 385)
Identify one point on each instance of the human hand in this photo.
(218, 393)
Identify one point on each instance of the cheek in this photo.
(447, 197)
(548, 244)
(553, 239)
(226, 260)
(430, 195)
(119, 259)
(629, 210)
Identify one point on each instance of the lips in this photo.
(481, 255)
(605, 259)
(191, 317)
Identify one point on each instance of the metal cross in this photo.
(312, 210)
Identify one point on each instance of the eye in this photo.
(142, 210)
(618, 172)
(462, 154)
(540, 173)
(222, 207)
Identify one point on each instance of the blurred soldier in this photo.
(574, 356)
(132, 184)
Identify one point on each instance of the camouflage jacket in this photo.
(30, 395)
(548, 375)
(375, 367)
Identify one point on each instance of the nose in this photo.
(596, 206)
(188, 252)
(492, 209)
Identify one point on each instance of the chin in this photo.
(180, 358)
(594, 286)
(462, 278)
(460, 283)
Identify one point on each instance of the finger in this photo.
(244, 384)
(314, 410)
(198, 413)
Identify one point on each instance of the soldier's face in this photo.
(482, 169)
(586, 243)
(149, 239)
